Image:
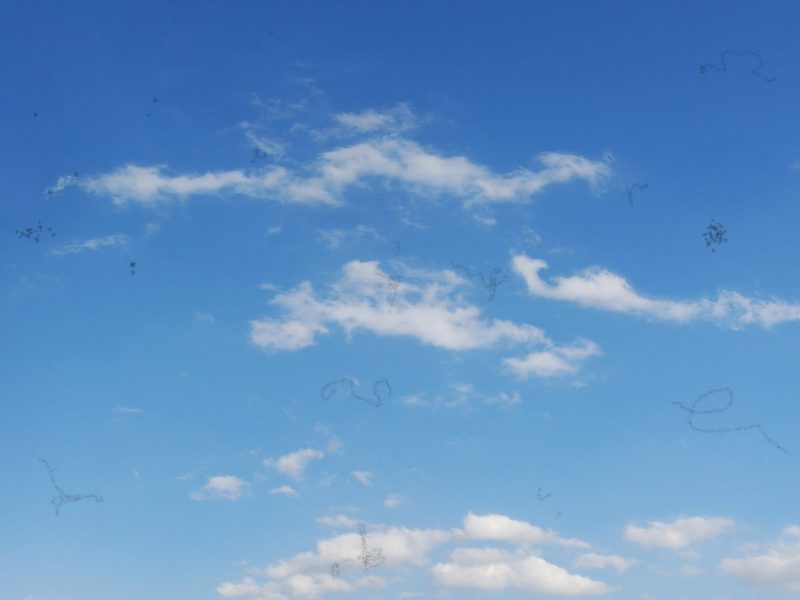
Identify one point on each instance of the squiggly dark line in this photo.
(496, 277)
(369, 558)
(380, 388)
(634, 187)
(63, 497)
(723, 63)
(692, 410)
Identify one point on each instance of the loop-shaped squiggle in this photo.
(692, 410)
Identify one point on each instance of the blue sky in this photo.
(399, 300)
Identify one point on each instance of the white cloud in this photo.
(363, 477)
(504, 529)
(223, 487)
(339, 521)
(425, 305)
(603, 290)
(94, 244)
(553, 362)
(778, 568)
(308, 574)
(382, 156)
(680, 533)
(294, 464)
(593, 560)
(205, 317)
(285, 490)
(496, 570)
(125, 410)
(393, 501)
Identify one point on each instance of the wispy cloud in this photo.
(603, 290)
(125, 410)
(363, 477)
(94, 244)
(678, 534)
(593, 560)
(334, 238)
(382, 156)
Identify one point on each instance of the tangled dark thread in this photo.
(63, 497)
(715, 235)
(36, 232)
(723, 63)
(495, 279)
(393, 283)
(541, 495)
(692, 410)
(635, 187)
(132, 266)
(369, 558)
(333, 387)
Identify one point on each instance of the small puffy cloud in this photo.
(294, 464)
(338, 521)
(777, 568)
(556, 361)
(363, 477)
(603, 290)
(205, 317)
(677, 534)
(592, 560)
(393, 501)
(490, 569)
(285, 490)
(93, 244)
(504, 529)
(221, 487)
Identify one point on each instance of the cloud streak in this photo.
(601, 289)
(381, 158)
